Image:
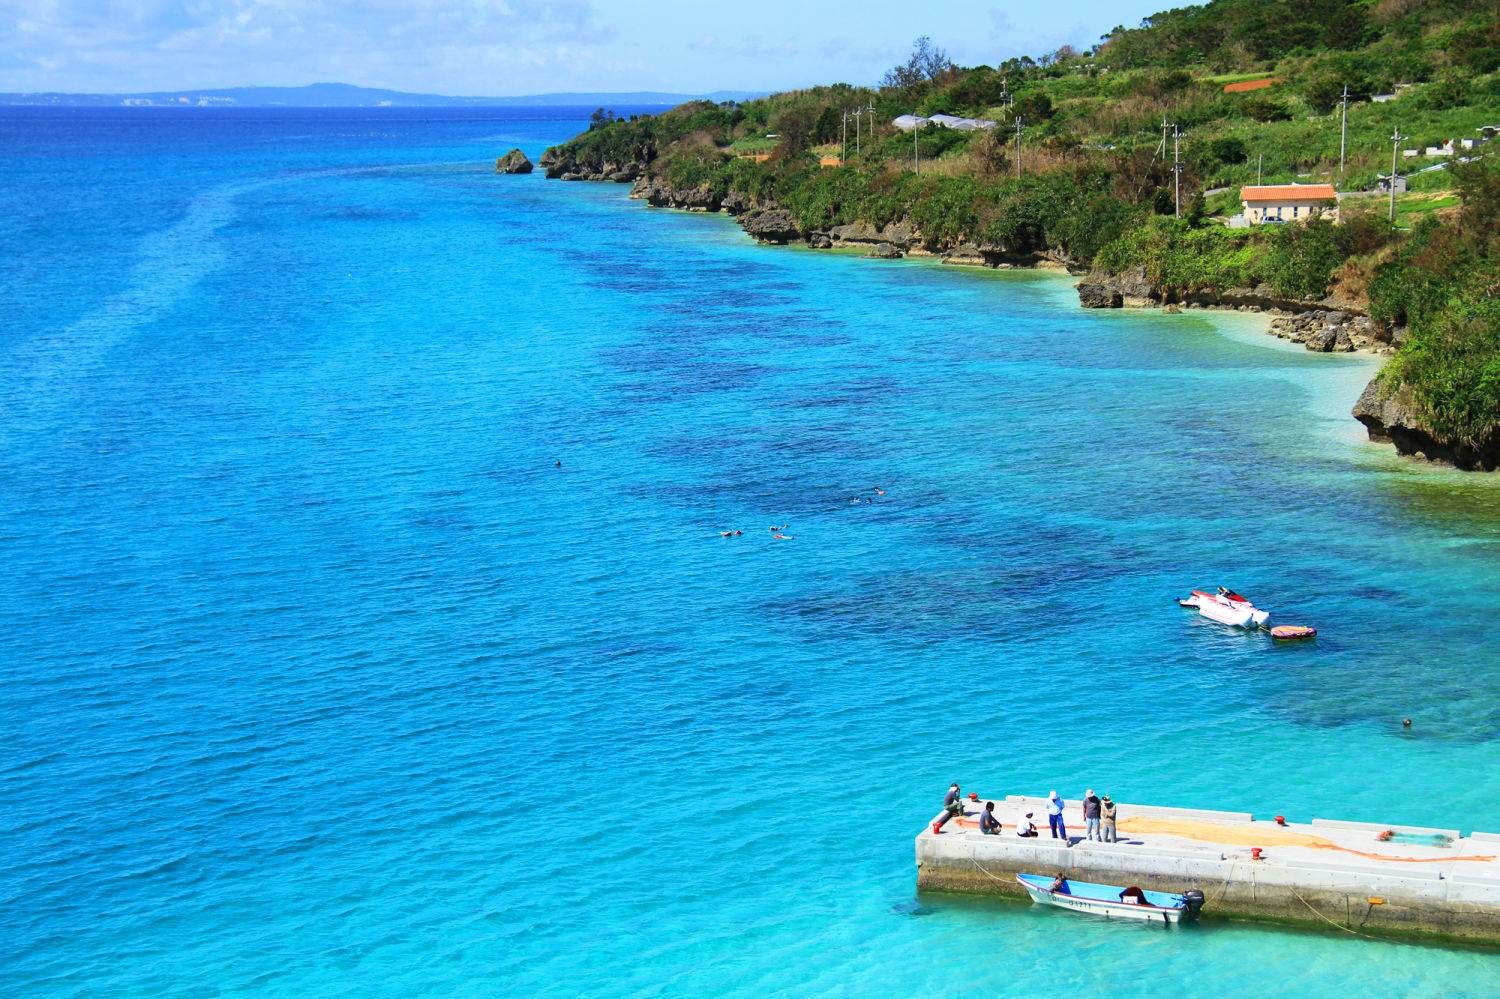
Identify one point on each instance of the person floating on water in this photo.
(953, 807)
(1055, 816)
(784, 537)
(988, 824)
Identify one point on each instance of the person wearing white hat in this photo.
(1091, 815)
(1055, 816)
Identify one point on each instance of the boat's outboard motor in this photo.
(1194, 899)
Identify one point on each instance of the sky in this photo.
(508, 47)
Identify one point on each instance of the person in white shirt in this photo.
(1026, 827)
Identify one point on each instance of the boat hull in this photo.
(1237, 612)
(1042, 895)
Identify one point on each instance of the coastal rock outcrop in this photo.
(1390, 412)
(1333, 331)
(1102, 290)
(659, 193)
(1099, 295)
(737, 203)
(901, 234)
(771, 225)
(1133, 289)
(559, 164)
(514, 161)
(884, 251)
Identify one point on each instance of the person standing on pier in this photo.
(1055, 816)
(1091, 815)
(1107, 813)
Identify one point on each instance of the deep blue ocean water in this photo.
(319, 677)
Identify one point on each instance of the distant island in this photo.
(344, 95)
(1237, 154)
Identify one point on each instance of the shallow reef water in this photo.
(368, 628)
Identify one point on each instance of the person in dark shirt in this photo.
(988, 824)
(1091, 813)
(953, 806)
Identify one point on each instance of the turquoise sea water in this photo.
(318, 677)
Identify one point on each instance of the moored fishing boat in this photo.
(1111, 901)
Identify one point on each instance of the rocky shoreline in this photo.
(1389, 414)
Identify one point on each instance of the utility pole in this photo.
(1343, 130)
(1018, 147)
(916, 166)
(1176, 173)
(1259, 165)
(856, 112)
(844, 141)
(1396, 138)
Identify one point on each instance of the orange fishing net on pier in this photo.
(1228, 835)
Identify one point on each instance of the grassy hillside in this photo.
(1095, 185)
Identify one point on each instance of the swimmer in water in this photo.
(880, 492)
(774, 528)
(783, 537)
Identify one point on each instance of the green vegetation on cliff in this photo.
(1443, 282)
(1095, 185)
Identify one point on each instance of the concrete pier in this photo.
(1324, 874)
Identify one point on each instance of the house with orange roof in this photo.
(1288, 202)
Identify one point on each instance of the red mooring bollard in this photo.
(1281, 820)
(1255, 853)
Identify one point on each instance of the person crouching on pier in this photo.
(1026, 828)
(988, 824)
(953, 807)
(1055, 816)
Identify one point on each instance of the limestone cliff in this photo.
(1390, 412)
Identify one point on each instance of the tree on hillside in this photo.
(927, 62)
